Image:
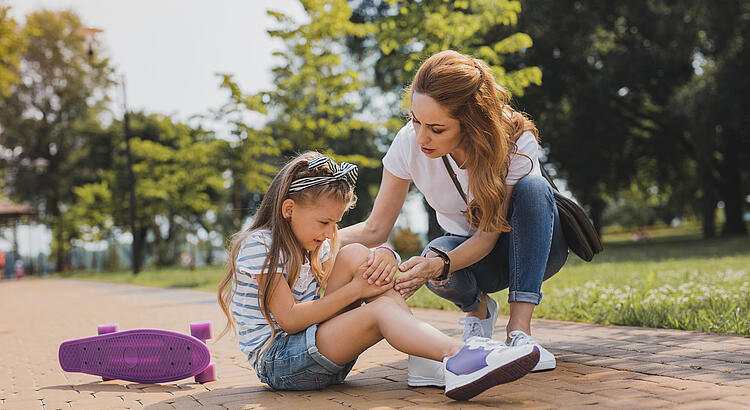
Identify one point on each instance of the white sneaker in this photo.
(484, 363)
(425, 372)
(546, 359)
(474, 326)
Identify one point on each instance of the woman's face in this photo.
(437, 133)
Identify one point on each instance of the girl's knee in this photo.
(353, 254)
(390, 301)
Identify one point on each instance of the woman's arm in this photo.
(468, 253)
(375, 230)
(295, 317)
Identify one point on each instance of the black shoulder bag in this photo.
(579, 232)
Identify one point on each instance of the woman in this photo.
(508, 237)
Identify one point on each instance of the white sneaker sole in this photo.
(545, 365)
(470, 385)
(418, 381)
(425, 372)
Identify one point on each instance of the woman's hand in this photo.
(420, 270)
(381, 266)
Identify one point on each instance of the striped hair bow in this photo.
(346, 171)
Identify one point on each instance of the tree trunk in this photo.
(597, 210)
(708, 186)
(138, 257)
(60, 264)
(160, 246)
(731, 187)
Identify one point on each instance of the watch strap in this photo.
(446, 263)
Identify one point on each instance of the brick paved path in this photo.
(600, 366)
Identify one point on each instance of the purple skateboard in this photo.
(141, 355)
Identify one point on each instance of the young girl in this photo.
(298, 340)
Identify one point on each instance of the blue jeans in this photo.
(293, 362)
(532, 252)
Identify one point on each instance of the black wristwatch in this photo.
(446, 263)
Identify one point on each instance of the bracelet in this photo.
(395, 255)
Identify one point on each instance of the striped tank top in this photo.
(252, 327)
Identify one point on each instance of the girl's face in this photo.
(437, 133)
(315, 222)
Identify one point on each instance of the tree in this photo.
(610, 71)
(61, 87)
(179, 173)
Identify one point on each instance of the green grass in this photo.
(679, 282)
(206, 278)
(675, 280)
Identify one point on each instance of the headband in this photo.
(346, 172)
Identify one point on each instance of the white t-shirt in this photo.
(406, 160)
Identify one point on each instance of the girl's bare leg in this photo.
(387, 316)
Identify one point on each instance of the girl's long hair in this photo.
(467, 89)
(285, 253)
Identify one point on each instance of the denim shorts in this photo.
(293, 362)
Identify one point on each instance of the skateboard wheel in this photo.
(104, 329)
(207, 375)
(201, 330)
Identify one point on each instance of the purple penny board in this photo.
(139, 355)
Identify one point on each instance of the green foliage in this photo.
(11, 46)
(93, 210)
(179, 177)
(631, 96)
(409, 32)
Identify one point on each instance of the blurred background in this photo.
(148, 131)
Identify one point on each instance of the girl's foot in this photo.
(483, 363)
(425, 372)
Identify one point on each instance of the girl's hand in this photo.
(368, 290)
(422, 270)
(381, 267)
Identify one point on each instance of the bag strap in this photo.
(455, 180)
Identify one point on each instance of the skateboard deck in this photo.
(139, 355)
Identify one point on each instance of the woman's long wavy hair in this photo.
(285, 253)
(467, 89)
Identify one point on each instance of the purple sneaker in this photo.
(484, 363)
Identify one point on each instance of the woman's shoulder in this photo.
(526, 143)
